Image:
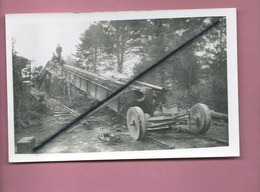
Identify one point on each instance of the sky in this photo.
(37, 35)
(37, 42)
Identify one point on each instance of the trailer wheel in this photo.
(136, 123)
(202, 115)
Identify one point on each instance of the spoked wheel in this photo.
(202, 116)
(136, 123)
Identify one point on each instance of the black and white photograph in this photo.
(122, 85)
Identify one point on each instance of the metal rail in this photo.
(161, 144)
(210, 139)
(69, 110)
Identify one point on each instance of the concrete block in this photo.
(25, 145)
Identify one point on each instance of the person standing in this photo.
(58, 51)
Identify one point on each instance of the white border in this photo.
(231, 151)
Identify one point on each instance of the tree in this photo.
(198, 72)
(91, 46)
(163, 35)
(213, 60)
(122, 39)
(20, 90)
(111, 41)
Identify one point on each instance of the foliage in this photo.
(88, 51)
(26, 106)
(19, 88)
(198, 73)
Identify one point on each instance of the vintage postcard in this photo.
(122, 85)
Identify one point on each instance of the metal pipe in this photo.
(219, 115)
(158, 88)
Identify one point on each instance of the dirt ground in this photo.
(85, 136)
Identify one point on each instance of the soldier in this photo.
(60, 60)
(58, 51)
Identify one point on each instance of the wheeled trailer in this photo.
(198, 119)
